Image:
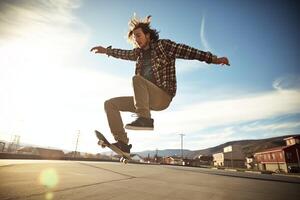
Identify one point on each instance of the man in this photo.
(154, 83)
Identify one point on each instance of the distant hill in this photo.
(249, 147)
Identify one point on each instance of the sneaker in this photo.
(141, 123)
(123, 147)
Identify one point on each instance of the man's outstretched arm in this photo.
(186, 52)
(117, 53)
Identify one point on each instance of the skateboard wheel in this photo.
(123, 160)
(101, 143)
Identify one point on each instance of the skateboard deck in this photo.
(103, 142)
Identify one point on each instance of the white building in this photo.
(232, 156)
(218, 159)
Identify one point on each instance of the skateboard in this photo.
(103, 142)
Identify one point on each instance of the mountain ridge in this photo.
(248, 146)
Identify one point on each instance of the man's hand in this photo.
(99, 49)
(222, 61)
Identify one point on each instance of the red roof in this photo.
(292, 137)
(276, 149)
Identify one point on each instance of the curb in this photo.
(231, 170)
(286, 175)
(253, 172)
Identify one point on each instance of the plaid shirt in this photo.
(163, 55)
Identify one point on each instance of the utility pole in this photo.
(17, 142)
(2, 146)
(181, 145)
(156, 155)
(78, 133)
(298, 157)
(231, 160)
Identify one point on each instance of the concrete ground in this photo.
(104, 180)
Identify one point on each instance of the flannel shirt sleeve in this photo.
(186, 52)
(123, 54)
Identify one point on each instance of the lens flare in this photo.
(49, 178)
(49, 196)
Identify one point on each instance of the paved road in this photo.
(51, 180)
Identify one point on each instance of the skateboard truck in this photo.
(103, 142)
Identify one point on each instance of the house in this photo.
(137, 158)
(89, 155)
(199, 160)
(173, 160)
(74, 154)
(155, 159)
(42, 152)
(232, 156)
(280, 159)
(218, 159)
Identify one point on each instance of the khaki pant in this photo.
(147, 96)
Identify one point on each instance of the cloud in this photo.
(48, 106)
(200, 116)
(41, 28)
(19, 16)
(288, 82)
(204, 41)
(45, 92)
(270, 127)
(185, 66)
(210, 123)
(210, 139)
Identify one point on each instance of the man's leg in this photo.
(113, 107)
(141, 96)
(147, 96)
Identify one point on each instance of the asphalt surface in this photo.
(49, 180)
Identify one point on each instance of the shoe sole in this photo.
(139, 128)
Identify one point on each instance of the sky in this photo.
(52, 88)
